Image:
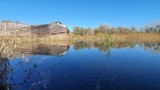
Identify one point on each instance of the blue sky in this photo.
(84, 13)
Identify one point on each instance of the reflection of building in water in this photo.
(54, 50)
(7, 70)
(27, 49)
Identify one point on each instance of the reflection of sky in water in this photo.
(88, 69)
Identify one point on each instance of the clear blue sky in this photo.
(85, 13)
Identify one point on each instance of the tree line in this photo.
(104, 29)
(9, 21)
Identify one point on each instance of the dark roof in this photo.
(54, 28)
(58, 22)
(40, 26)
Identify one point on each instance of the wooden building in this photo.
(10, 28)
(49, 29)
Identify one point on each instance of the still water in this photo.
(83, 65)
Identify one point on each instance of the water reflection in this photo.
(55, 50)
(153, 47)
(38, 66)
(27, 76)
(103, 47)
(61, 48)
(27, 68)
(45, 48)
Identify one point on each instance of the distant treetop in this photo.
(9, 21)
(4, 21)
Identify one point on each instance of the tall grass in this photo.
(152, 37)
(7, 47)
(9, 43)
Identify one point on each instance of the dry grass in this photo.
(154, 37)
(136, 37)
(9, 43)
(7, 47)
(12, 47)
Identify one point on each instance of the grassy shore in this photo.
(154, 37)
(8, 44)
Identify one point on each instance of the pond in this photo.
(83, 65)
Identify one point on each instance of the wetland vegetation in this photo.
(69, 65)
(101, 58)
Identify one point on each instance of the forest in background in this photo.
(104, 29)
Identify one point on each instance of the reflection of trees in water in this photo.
(90, 44)
(25, 70)
(119, 45)
(101, 45)
(29, 75)
(83, 44)
(153, 47)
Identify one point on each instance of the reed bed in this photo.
(152, 37)
(9, 43)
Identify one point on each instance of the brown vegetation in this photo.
(153, 37)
